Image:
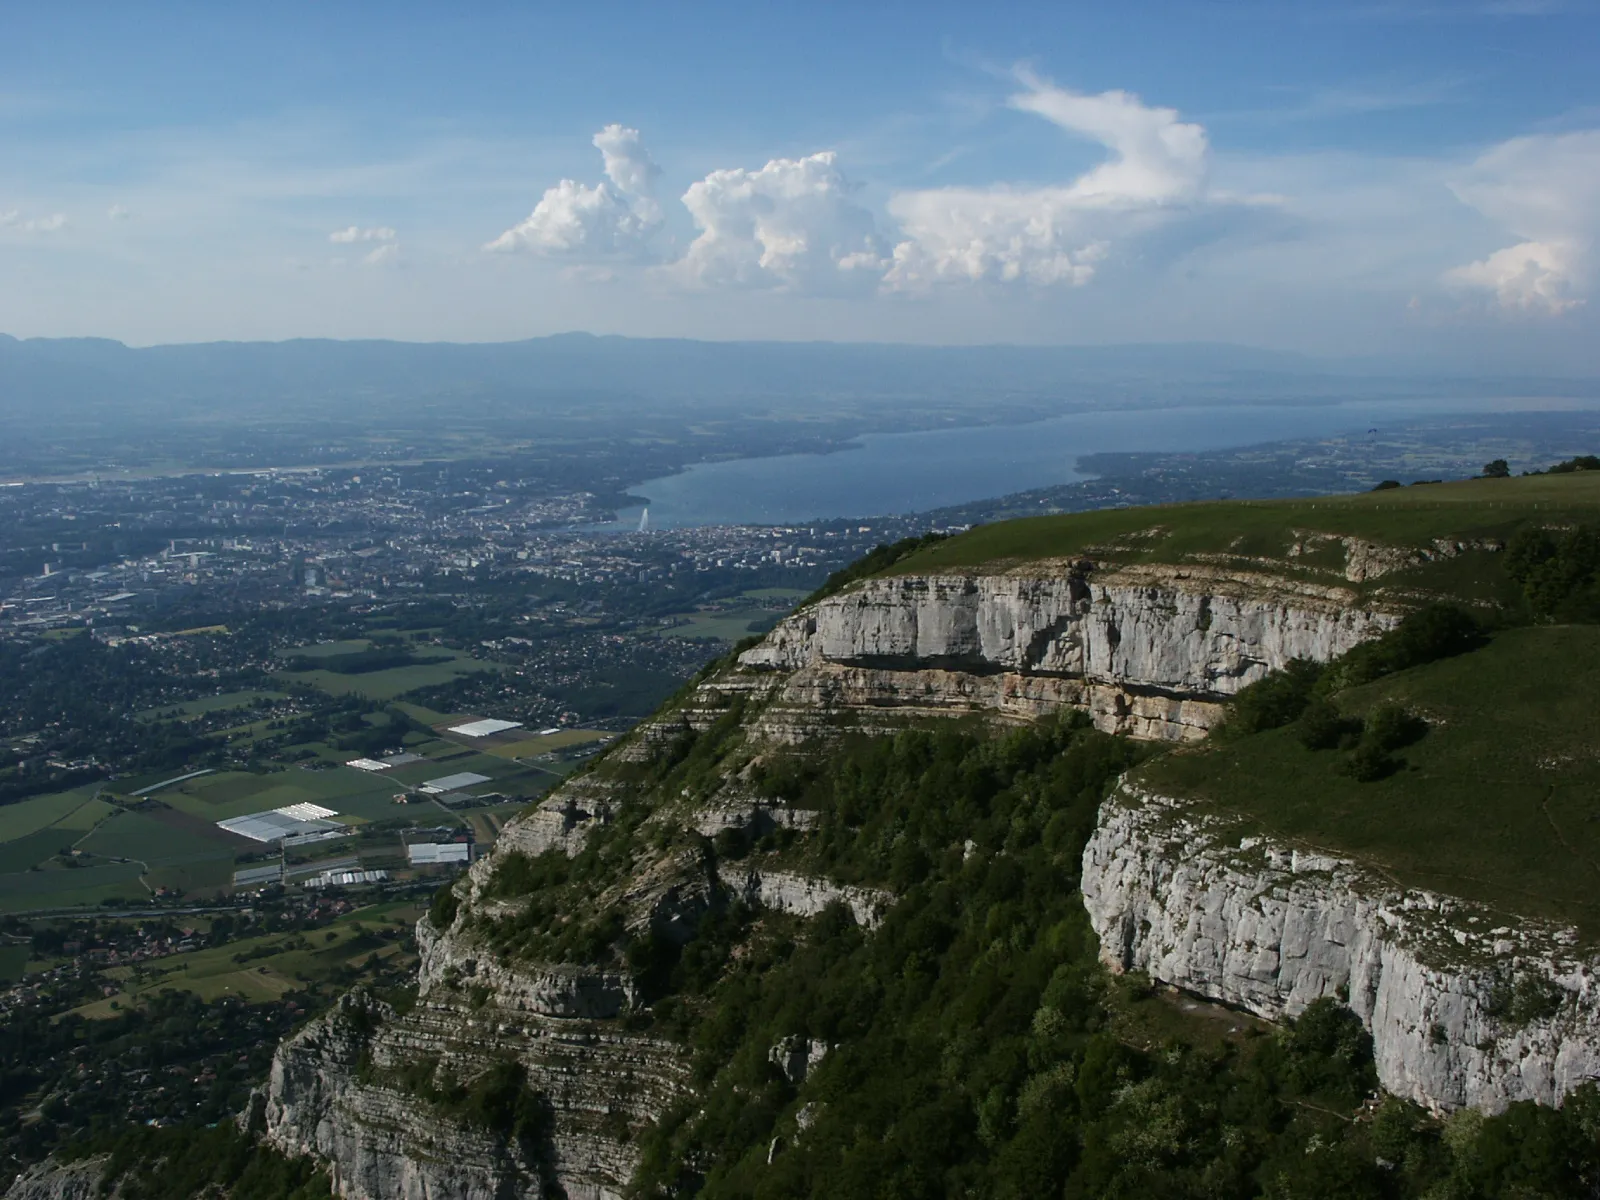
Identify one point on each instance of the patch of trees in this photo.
(364, 662)
(978, 1047)
(191, 1163)
(1559, 572)
(1303, 692)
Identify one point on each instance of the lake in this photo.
(913, 472)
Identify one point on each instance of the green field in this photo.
(86, 816)
(723, 626)
(157, 842)
(67, 888)
(326, 649)
(1499, 801)
(528, 747)
(38, 812)
(285, 962)
(236, 794)
(1242, 533)
(428, 716)
(13, 959)
(209, 704)
(21, 853)
(386, 685)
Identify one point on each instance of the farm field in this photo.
(386, 685)
(528, 747)
(13, 960)
(164, 837)
(65, 888)
(721, 626)
(40, 812)
(326, 649)
(210, 704)
(271, 965)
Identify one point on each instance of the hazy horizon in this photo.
(1382, 179)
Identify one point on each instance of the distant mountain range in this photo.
(47, 382)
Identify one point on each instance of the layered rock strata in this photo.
(1467, 1008)
(1149, 651)
(1153, 652)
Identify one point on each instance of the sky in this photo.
(1410, 179)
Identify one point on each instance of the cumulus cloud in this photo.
(117, 213)
(1545, 190)
(614, 219)
(50, 224)
(792, 223)
(354, 234)
(1157, 165)
(384, 255)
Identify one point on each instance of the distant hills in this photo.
(70, 388)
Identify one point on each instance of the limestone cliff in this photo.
(50, 1180)
(1466, 1006)
(1151, 651)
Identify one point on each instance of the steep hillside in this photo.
(816, 928)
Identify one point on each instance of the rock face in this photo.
(1148, 651)
(1466, 1007)
(50, 1180)
(784, 891)
(377, 1140)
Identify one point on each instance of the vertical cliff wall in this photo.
(1466, 1006)
(1150, 651)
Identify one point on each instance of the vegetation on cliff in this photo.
(1306, 537)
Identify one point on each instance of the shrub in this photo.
(1424, 636)
(1558, 573)
(1388, 727)
(442, 910)
(1329, 1051)
(1324, 727)
(1583, 462)
(1274, 701)
(1368, 763)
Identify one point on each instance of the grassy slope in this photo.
(1497, 802)
(1485, 508)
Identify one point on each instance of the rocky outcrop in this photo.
(1153, 652)
(1149, 651)
(51, 1180)
(328, 1097)
(803, 895)
(1466, 1007)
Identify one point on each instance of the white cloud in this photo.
(384, 255)
(117, 213)
(354, 234)
(608, 220)
(792, 223)
(1544, 190)
(14, 220)
(1047, 235)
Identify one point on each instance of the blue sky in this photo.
(1406, 178)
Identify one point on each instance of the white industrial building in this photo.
(478, 729)
(428, 854)
(293, 825)
(452, 783)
